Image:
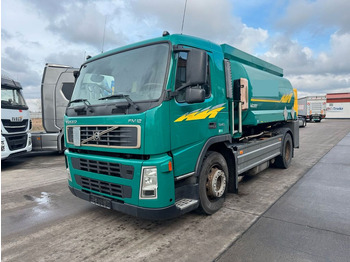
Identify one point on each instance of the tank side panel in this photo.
(269, 95)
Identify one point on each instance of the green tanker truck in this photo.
(165, 126)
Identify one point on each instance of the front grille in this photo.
(104, 187)
(15, 127)
(16, 142)
(103, 168)
(110, 136)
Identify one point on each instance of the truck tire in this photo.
(284, 160)
(213, 183)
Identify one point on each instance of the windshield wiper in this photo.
(85, 101)
(86, 106)
(126, 97)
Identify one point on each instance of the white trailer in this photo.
(15, 120)
(56, 90)
(312, 108)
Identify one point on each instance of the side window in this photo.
(181, 78)
(181, 69)
(67, 90)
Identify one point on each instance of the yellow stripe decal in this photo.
(201, 114)
(265, 100)
(284, 99)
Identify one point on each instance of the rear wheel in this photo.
(213, 181)
(284, 160)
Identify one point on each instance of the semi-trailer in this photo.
(312, 108)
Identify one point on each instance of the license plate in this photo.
(100, 201)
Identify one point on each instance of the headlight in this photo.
(69, 137)
(73, 135)
(2, 145)
(29, 141)
(149, 183)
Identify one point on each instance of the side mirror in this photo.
(194, 95)
(196, 68)
(76, 75)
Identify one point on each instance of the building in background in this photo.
(338, 105)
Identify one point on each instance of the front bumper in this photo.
(88, 179)
(141, 212)
(7, 152)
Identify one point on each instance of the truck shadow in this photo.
(19, 160)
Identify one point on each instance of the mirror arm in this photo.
(170, 95)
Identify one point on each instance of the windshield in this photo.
(138, 74)
(12, 98)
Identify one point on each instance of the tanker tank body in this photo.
(269, 98)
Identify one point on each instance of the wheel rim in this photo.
(216, 183)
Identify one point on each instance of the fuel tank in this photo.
(266, 96)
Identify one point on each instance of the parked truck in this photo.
(162, 127)
(312, 108)
(56, 90)
(15, 120)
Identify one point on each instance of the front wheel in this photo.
(213, 181)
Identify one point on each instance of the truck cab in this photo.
(153, 128)
(15, 120)
(56, 90)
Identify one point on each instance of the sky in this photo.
(309, 39)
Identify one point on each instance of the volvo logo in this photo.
(96, 136)
(71, 122)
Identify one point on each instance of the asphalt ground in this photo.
(42, 221)
(311, 222)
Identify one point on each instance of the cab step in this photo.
(185, 203)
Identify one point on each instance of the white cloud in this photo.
(298, 59)
(315, 16)
(250, 38)
(313, 74)
(212, 20)
(320, 84)
(308, 52)
(37, 32)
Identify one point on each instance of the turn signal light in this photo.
(170, 166)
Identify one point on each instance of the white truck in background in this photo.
(312, 108)
(15, 120)
(56, 90)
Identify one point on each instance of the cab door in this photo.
(192, 120)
